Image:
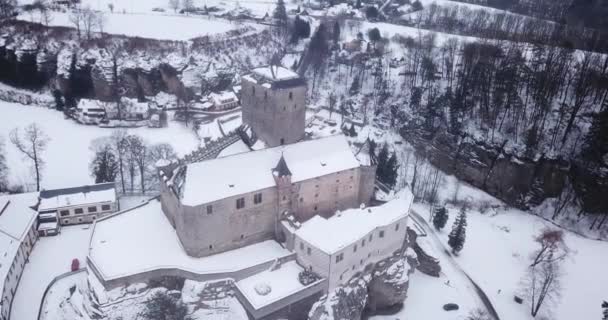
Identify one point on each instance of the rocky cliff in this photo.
(381, 286)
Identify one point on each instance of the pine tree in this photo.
(352, 131)
(336, 33)
(382, 161)
(104, 166)
(280, 12)
(458, 235)
(595, 146)
(391, 170)
(605, 306)
(440, 218)
(162, 306)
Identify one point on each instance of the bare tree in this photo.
(3, 168)
(542, 285)
(552, 247)
(174, 4)
(188, 5)
(7, 8)
(542, 281)
(32, 144)
(119, 145)
(86, 20)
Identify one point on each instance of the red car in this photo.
(75, 265)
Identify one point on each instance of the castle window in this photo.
(316, 195)
(253, 90)
(282, 141)
(242, 237)
(209, 209)
(355, 248)
(351, 177)
(257, 198)
(302, 246)
(291, 96)
(301, 199)
(363, 243)
(315, 208)
(66, 221)
(397, 227)
(64, 213)
(265, 95)
(371, 236)
(295, 106)
(78, 211)
(339, 257)
(284, 108)
(105, 207)
(240, 203)
(308, 251)
(382, 234)
(92, 209)
(210, 247)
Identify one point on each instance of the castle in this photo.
(257, 221)
(230, 202)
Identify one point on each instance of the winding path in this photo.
(447, 256)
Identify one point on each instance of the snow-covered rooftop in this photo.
(223, 97)
(221, 178)
(271, 285)
(16, 219)
(353, 224)
(275, 73)
(17, 214)
(142, 239)
(77, 196)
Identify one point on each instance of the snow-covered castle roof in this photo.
(242, 173)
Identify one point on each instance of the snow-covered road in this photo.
(51, 257)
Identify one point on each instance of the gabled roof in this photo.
(354, 224)
(75, 196)
(246, 172)
(281, 169)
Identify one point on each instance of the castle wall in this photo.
(272, 114)
(326, 194)
(227, 227)
(367, 183)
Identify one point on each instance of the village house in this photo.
(83, 204)
(17, 238)
(224, 100)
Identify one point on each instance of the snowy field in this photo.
(52, 256)
(68, 155)
(152, 26)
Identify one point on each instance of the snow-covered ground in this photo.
(68, 155)
(149, 25)
(51, 257)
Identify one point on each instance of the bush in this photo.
(307, 276)
(162, 306)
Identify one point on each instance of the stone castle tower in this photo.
(274, 104)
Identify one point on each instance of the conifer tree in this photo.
(440, 218)
(605, 306)
(336, 33)
(391, 170)
(595, 145)
(458, 235)
(280, 12)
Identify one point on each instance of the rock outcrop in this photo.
(390, 281)
(346, 302)
(381, 286)
(426, 263)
